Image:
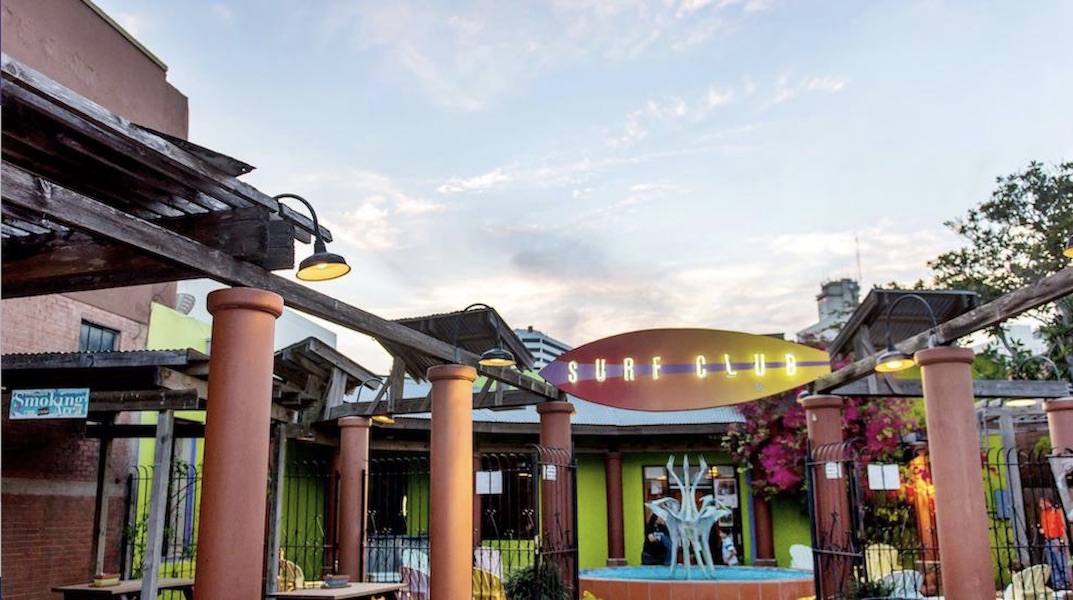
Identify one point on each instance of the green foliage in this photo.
(869, 589)
(521, 583)
(1013, 240)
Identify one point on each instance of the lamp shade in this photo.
(322, 266)
(894, 360)
(497, 357)
(1021, 402)
(383, 419)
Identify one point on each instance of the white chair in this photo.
(801, 557)
(415, 574)
(1030, 584)
(904, 584)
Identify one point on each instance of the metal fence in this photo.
(524, 520)
(179, 544)
(872, 519)
(307, 519)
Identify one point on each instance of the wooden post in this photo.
(275, 505)
(154, 534)
(100, 513)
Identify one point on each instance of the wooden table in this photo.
(354, 590)
(128, 589)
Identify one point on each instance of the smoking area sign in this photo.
(69, 403)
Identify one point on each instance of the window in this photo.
(719, 481)
(94, 338)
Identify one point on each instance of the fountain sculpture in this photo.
(689, 525)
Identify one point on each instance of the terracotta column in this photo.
(823, 418)
(765, 532)
(1060, 423)
(451, 496)
(353, 457)
(616, 541)
(231, 528)
(556, 501)
(954, 446)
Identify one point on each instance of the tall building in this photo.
(543, 347)
(836, 302)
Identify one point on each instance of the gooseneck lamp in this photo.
(497, 356)
(893, 360)
(380, 419)
(321, 265)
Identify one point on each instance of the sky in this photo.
(592, 167)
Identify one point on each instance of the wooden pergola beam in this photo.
(78, 211)
(1005, 307)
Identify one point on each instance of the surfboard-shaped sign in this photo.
(683, 369)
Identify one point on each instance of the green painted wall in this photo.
(592, 512)
(791, 525)
(172, 330)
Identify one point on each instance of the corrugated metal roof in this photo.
(908, 318)
(590, 413)
(475, 330)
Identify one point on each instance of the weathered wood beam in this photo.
(81, 212)
(911, 388)
(1005, 307)
(511, 399)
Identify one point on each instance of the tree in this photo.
(1013, 240)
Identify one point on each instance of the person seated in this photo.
(729, 551)
(657, 546)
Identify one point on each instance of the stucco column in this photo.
(238, 411)
(960, 514)
(765, 532)
(556, 493)
(823, 418)
(353, 456)
(451, 496)
(616, 541)
(1060, 423)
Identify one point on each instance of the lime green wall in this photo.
(172, 330)
(791, 526)
(592, 512)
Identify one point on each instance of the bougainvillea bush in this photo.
(772, 438)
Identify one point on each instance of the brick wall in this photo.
(50, 468)
(51, 324)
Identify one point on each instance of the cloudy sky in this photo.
(591, 167)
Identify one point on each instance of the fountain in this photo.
(690, 524)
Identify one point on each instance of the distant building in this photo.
(836, 302)
(544, 348)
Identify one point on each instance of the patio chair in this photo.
(904, 583)
(1030, 584)
(414, 574)
(801, 557)
(880, 560)
(290, 576)
(487, 574)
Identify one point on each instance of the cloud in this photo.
(479, 183)
(786, 88)
(132, 23)
(369, 210)
(469, 56)
(670, 112)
